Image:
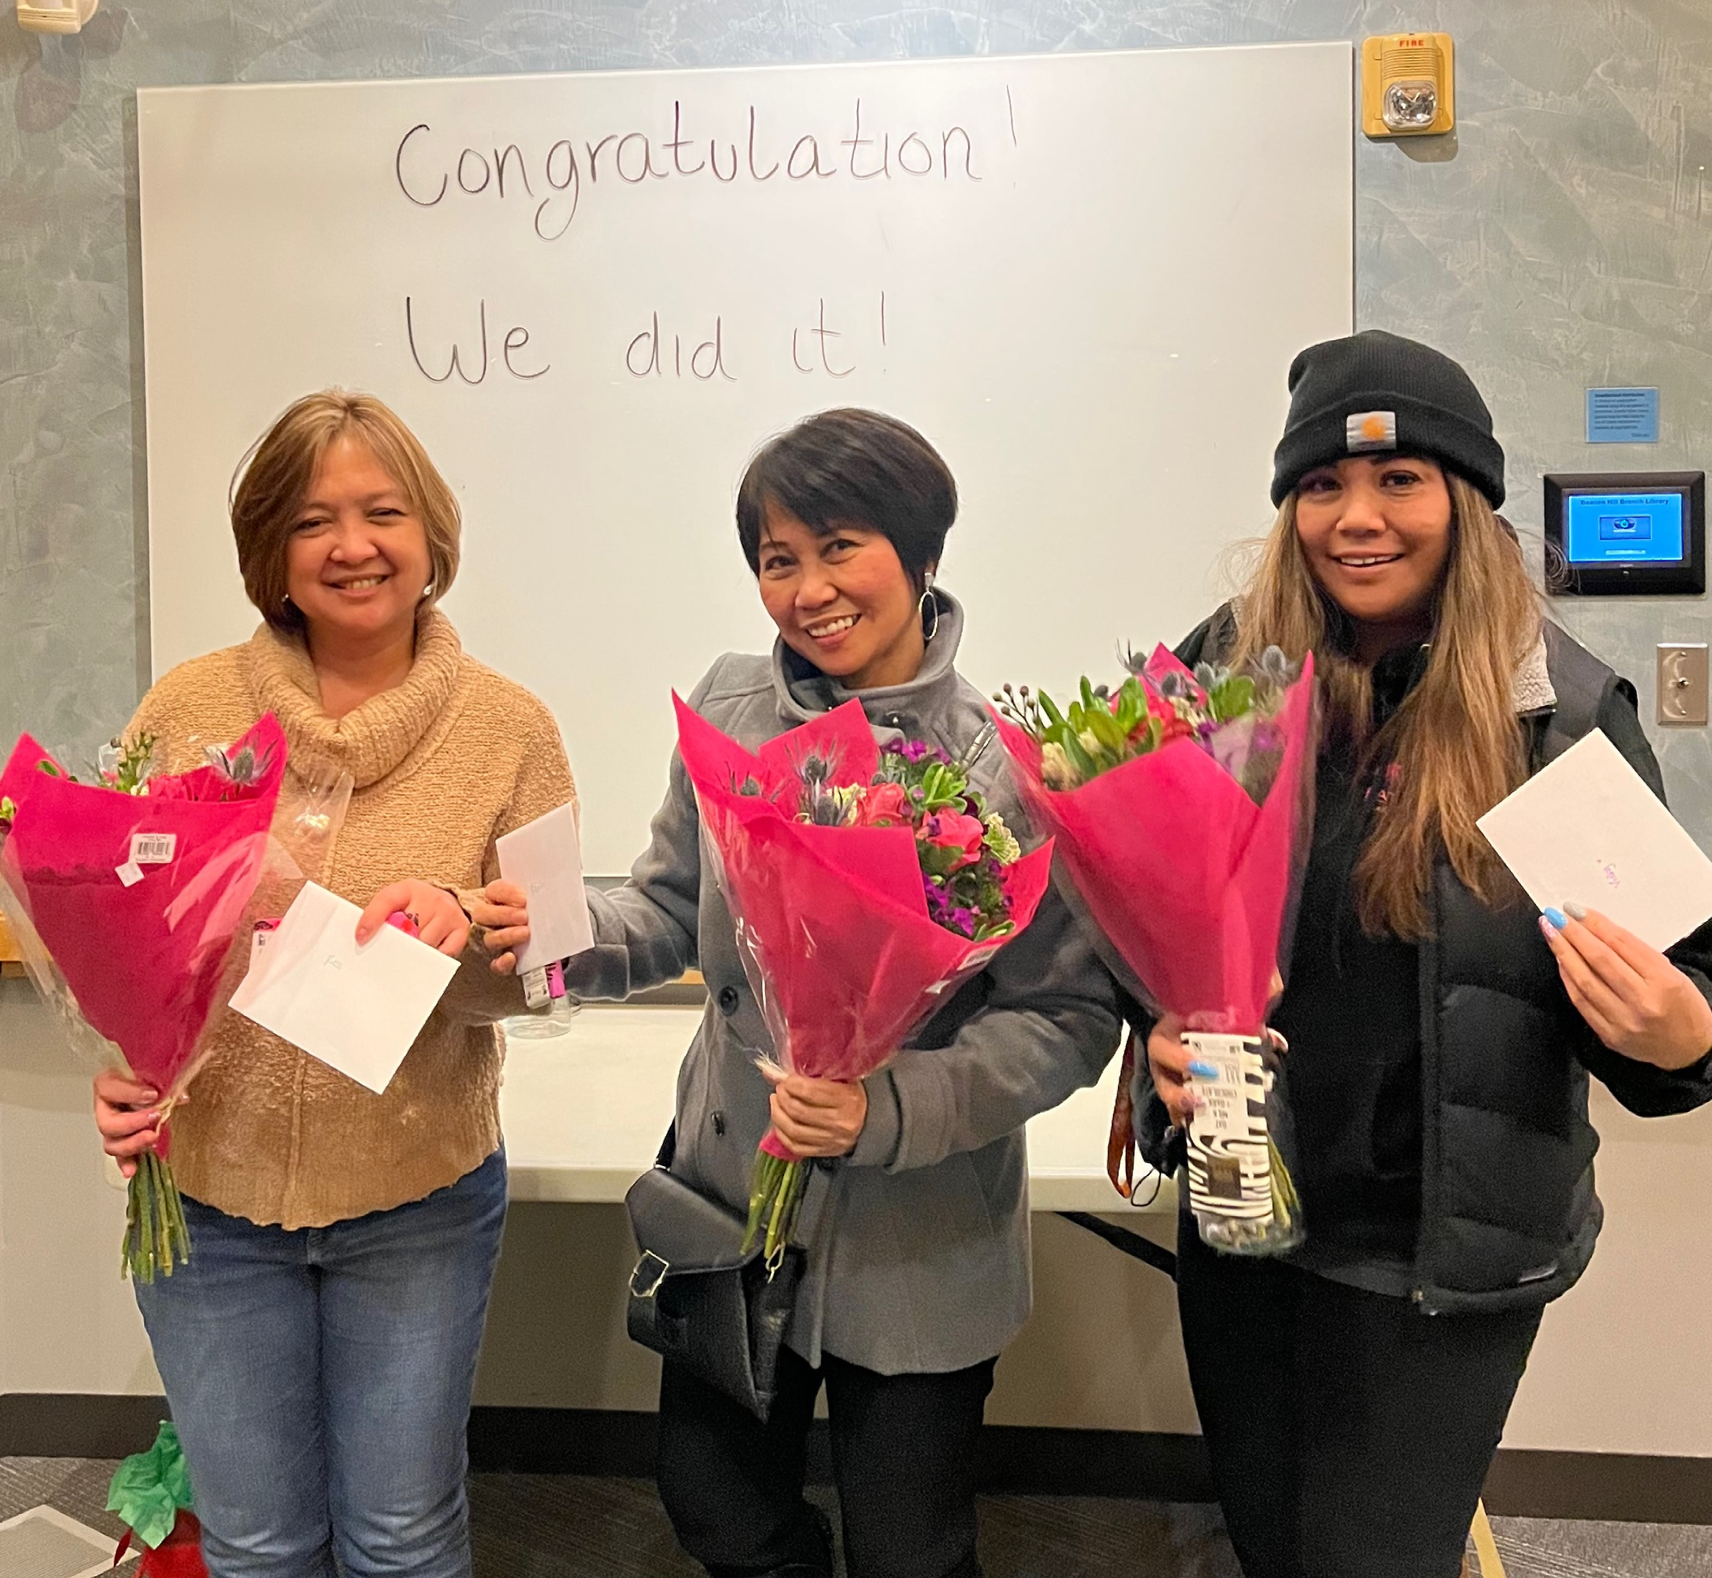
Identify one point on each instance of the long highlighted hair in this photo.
(1455, 747)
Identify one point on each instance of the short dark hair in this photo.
(856, 468)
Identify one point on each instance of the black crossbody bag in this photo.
(696, 1298)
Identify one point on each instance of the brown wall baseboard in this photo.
(1015, 1458)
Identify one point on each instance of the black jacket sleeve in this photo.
(1643, 1088)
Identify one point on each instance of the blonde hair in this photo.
(1456, 743)
(273, 481)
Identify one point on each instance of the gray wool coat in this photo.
(918, 1240)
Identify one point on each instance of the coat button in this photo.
(717, 1119)
(727, 1000)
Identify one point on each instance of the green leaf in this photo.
(1108, 731)
(1132, 706)
(1233, 698)
(1080, 760)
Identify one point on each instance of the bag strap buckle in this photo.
(649, 1273)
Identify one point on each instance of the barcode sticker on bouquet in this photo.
(1230, 1170)
(153, 849)
(1223, 1110)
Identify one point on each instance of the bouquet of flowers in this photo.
(866, 887)
(1179, 802)
(127, 895)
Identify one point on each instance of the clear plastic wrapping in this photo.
(1185, 858)
(133, 898)
(833, 921)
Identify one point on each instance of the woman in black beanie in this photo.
(1441, 1033)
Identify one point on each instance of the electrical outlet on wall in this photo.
(1682, 682)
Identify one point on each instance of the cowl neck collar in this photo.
(804, 692)
(376, 739)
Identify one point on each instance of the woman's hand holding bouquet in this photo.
(866, 886)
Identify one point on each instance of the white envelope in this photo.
(545, 859)
(1588, 830)
(356, 1009)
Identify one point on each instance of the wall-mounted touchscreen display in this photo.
(1626, 535)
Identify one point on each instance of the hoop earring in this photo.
(927, 600)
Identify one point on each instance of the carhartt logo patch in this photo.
(1371, 430)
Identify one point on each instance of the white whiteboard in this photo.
(1081, 276)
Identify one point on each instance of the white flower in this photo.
(1055, 769)
(1001, 844)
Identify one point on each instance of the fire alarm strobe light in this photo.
(1408, 85)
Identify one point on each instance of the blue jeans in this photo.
(321, 1378)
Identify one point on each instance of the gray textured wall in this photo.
(1565, 240)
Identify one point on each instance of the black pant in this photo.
(1349, 1434)
(903, 1459)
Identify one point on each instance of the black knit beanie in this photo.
(1375, 392)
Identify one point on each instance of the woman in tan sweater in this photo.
(319, 1348)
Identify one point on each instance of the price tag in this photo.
(1223, 1112)
(153, 849)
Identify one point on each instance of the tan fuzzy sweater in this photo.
(442, 765)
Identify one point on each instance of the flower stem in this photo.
(775, 1192)
(157, 1237)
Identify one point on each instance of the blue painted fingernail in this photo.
(1203, 1070)
(1574, 911)
(1555, 918)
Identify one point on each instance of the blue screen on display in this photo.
(1624, 528)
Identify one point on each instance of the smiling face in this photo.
(842, 599)
(357, 563)
(1376, 534)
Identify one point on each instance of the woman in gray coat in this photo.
(917, 1222)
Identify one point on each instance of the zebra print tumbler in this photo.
(1239, 1184)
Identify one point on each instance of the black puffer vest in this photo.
(1508, 1211)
